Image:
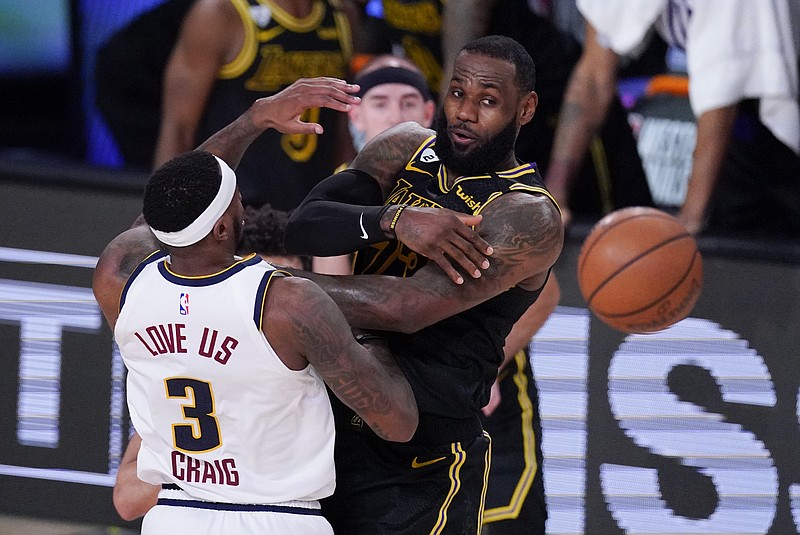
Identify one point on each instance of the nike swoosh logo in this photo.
(417, 464)
(364, 234)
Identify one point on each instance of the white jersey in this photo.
(219, 413)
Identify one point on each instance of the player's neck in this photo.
(200, 262)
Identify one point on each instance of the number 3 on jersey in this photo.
(202, 434)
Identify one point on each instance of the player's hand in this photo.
(494, 399)
(693, 221)
(284, 110)
(445, 237)
(566, 215)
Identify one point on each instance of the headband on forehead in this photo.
(201, 226)
(393, 75)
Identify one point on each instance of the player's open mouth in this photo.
(461, 137)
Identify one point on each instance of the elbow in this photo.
(127, 510)
(296, 233)
(409, 427)
(292, 236)
(304, 235)
(402, 428)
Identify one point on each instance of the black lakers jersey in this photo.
(278, 49)
(452, 364)
(413, 28)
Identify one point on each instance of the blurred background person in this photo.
(129, 77)
(743, 89)
(232, 52)
(393, 91)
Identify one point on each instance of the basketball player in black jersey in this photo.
(395, 205)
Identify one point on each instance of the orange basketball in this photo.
(639, 270)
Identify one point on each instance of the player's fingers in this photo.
(471, 243)
(457, 255)
(469, 220)
(465, 255)
(445, 266)
(339, 102)
(299, 127)
(471, 236)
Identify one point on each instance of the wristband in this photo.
(399, 211)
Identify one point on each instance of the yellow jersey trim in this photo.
(422, 146)
(295, 24)
(247, 54)
(201, 277)
(459, 458)
(523, 487)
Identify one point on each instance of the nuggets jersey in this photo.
(279, 49)
(219, 413)
(452, 364)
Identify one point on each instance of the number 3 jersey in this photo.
(219, 413)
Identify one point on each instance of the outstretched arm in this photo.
(526, 234)
(304, 324)
(282, 112)
(587, 99)
(714, 131)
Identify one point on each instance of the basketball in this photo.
(639, 270)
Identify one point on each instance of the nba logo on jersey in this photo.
(428, 156)
(184, 304)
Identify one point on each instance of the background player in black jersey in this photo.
(231, 52)
(398, 189)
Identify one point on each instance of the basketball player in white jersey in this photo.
(226, 356)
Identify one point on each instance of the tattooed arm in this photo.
(526, 234)
(304, 325)
(116, 264)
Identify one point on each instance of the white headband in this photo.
(201, 226)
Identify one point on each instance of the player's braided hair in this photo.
(507, 49)
(179, 191)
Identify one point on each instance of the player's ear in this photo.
(219, 230)
(528, 107)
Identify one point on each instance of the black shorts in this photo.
(515, 501)
(395, 489)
